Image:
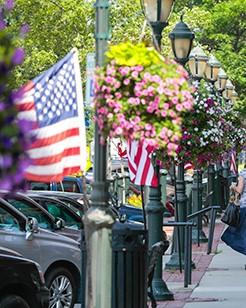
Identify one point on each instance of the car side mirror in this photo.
(31, 227)
(60, 223)
(123, 218)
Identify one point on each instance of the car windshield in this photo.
(30, 210)
(58, 211)
(8, 221)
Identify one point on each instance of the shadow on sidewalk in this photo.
(175, 280)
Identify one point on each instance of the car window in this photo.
(28, 209)
(60, 212)
(8, 221)
(70, 186)
(73, 205)
(39, 186)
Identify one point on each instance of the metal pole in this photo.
(226, 173)
(197, 233)
(182, 217)
(99, 220)
(155, 210)
(211, 184)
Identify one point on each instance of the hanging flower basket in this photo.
(141, 96)
(208, 131)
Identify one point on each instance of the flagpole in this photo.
(98, 219)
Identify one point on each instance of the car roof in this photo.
(23, 196)
(52, 198)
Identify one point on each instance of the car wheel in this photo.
(62, 288)
(13, 301)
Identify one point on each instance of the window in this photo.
(29, 210)
(8, 221)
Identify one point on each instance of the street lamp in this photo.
(157, 13)
(181, 40)
(228, 90)
(234, 96)
(220, 84)
(197, 63)
(212, 69)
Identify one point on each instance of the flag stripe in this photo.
(55, 158)
(57, 167)
(55, 138)
(49, 150)
(52, 177)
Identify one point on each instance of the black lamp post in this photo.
(181, 39)
(157, 13)
(197, 65)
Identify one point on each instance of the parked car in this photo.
(69, 183)
(58, 256)
(58, 208)
(29, 207)
(22, 283)
(75, 201)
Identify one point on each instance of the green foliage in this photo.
(58, 25)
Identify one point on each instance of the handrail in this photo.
(213, 209)
(206, 209)
(188, 251)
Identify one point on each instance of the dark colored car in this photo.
(58, 209)
(29, 207)
(58, 256)
(22, 283)
(132, 213)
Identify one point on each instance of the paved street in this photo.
(219, 279)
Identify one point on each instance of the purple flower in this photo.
(18, 56)
(2, 24)
(9, 4)
(2, 106)
(24, 30)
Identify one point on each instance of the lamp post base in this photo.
(160, 290)
(173, 263)
(202, 236)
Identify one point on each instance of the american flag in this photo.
(233, 163)
(53, 103)
(139, 162)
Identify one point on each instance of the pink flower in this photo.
(126, 81)
(179, 107)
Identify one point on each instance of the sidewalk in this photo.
(219, 279)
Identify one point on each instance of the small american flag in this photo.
(233, 163)
(53, 103)
(140, 166)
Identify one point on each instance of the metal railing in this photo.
(188, 244)
(213, 210)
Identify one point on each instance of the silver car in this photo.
(58, 256)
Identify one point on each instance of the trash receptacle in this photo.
(129, 275)
(129, 266)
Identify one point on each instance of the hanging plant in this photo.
(141, 96)
(204, 130)
(13, 131)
